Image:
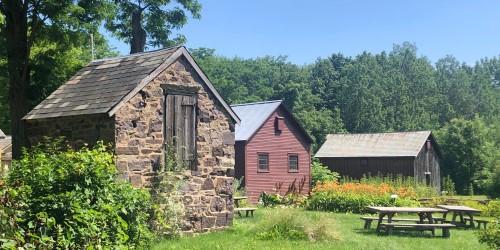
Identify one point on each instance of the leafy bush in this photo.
(71, 199)
(290, 224)
(491, 235)
(448, 186)
(293, 196)
(355, 197)
(321, 173)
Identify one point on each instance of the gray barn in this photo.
(413, 154)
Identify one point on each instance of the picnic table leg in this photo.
(454, 217)
(389, 220)
(380, 219)
(471, 219)
(462, 218)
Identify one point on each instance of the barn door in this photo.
(180, 128)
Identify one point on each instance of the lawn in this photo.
(350, 236)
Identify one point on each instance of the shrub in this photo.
(321, 173)
(491, 235)
(448, 186)
(71, 199)
(355, 197)
(292, 197)
(291, 224)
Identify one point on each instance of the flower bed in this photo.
(355, 197)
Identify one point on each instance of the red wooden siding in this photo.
(278, 145)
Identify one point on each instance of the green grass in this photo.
(349, 233)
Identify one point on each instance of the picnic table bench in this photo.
(368, 220)
(420, 227)
(424, 222)
(461, 212)
(248, 210)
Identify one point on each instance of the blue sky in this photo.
(305, 30)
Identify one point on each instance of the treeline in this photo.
(390, 91)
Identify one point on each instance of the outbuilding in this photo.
(414, 154)
(146, 105)
(272, 149)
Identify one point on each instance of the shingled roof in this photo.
(398, 144)
(104, 85)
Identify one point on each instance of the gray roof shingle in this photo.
(103, 85)
(252, 116)
(398, 144)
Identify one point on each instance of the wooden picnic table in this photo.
(237, 200)
(423, 213)
(460, 211)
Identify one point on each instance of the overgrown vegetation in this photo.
(293, 196)
(55, 197)
(59, 198)
(291, 224)
(491, 235)
(320, 173)
(355, 197)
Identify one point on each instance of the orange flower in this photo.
(364, 188)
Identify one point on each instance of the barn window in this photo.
(180, 129)
(293, 163)
(263, 162)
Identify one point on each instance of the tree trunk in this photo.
(17, 64)
(138, 41)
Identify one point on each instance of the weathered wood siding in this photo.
(289, 141)
(428, 161)
(357, 167)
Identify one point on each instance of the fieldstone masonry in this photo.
(137, 128)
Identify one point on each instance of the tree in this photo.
(149, 22)
(26, 22)
(469, 153)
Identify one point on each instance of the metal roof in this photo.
(104, 85)
(252, 116)
(398, 144)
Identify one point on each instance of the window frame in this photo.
(259, 170)
(288, 160)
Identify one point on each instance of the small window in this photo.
(263, 162)
(293, 163)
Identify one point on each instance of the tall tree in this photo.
(150, 22)
(25, 23)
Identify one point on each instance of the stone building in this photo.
(145, 105)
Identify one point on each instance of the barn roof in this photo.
(103, 86)
(398, 144)
(254, 115)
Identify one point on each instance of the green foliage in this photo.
(168, 209)
(55, 197)
(158, 18)
(470, 153)
(321, 173)
(290, 224)
(493, 188)
(397, 181)
(353, 203)
(491, 235)
(448, 186)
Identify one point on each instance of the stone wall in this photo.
(207, 191)
(78, 130)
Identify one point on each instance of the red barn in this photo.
(271, 148)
